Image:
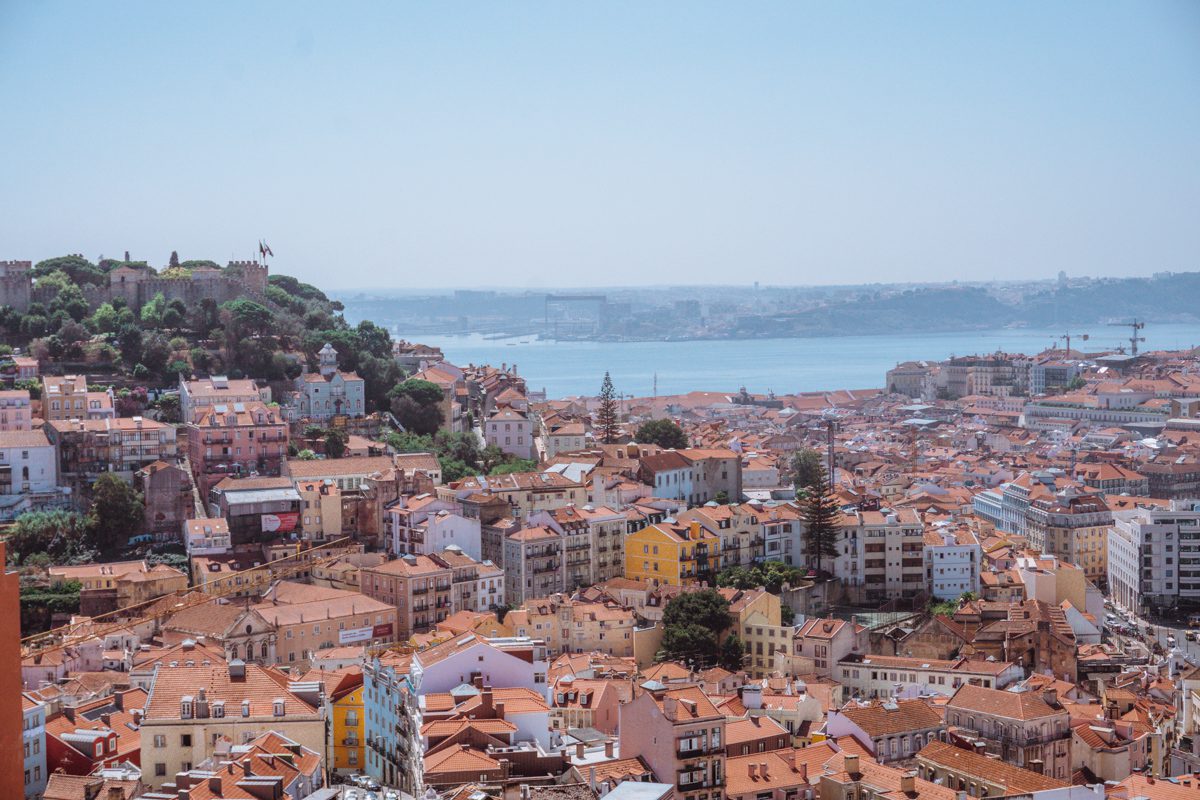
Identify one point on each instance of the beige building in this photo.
(67, 397)
(314, 618)
(1029, 729)
(191, 707)
(978, 775)
(320, 510)
(1074, 528)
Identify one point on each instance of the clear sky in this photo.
(607, 143)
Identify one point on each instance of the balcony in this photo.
(420, 590)
(690, 784)
(696, 750)
(351, 742)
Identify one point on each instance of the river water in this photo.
(780, 365)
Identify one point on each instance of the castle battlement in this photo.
(15, 267)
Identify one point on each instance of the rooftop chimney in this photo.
(579, 751)
(851, 763)
(751, 769)
(908, 782)
(608, 749)
(1050, 695)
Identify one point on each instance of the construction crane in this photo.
(1134, 338)
(132, 615)
(1067, 336)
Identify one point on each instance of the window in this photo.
(160, 769)
(185, 740)
(160, 741)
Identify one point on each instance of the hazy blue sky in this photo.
(607, 143)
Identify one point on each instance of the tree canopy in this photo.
(693, 621)
(662, 432)
(417, 405)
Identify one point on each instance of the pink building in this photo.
(681, 736)
(15, 411)
(236, 440)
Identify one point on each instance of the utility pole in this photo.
(830, 426)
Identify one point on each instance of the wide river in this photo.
(780, 365)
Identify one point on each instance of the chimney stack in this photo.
(908, 782)
(1050, 695)
(751, 769)
(579, 751)
(608, 749)
(851, 763)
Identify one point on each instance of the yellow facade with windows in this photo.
(671, 554)
(348, 731)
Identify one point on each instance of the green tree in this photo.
(169, 409)
(662, 432)
(693, 621)
(173, 261)
(606, 415)
(820, 513)
(492, 457)
(409, 442)
(705, 607)
(152, 312)
(516, 466)
(78, 268)
(61, 535)
(733, 653)
(806, 468)
(116, 514)
(688, 643)
(247, 317)
(787, 615)
(105, 319)
(454, 469)
(461, 446)
(335, 443)
(306, 455)
(417, 405)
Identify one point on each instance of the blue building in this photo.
(393, 725)
(33, 740)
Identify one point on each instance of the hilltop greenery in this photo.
(269, 337)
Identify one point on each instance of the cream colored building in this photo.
(190, 708)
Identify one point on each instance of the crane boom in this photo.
(1136, 326)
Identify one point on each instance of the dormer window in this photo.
(185, 707)
(277, 707)
(218, 709)
(245, 708)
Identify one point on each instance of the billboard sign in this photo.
(280, 523)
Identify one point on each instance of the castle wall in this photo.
(17, 290)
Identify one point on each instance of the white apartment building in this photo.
(952, 561)
(1154, 557)
(870, 676)
(881, 555)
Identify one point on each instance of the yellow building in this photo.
(344, 706)
(672, 554)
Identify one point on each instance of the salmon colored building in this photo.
(11, 714)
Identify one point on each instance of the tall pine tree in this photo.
(606, 417)
(819, 510)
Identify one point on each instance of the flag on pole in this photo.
(262, 251)
(268, 247)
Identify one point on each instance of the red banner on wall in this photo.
(280, 523)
